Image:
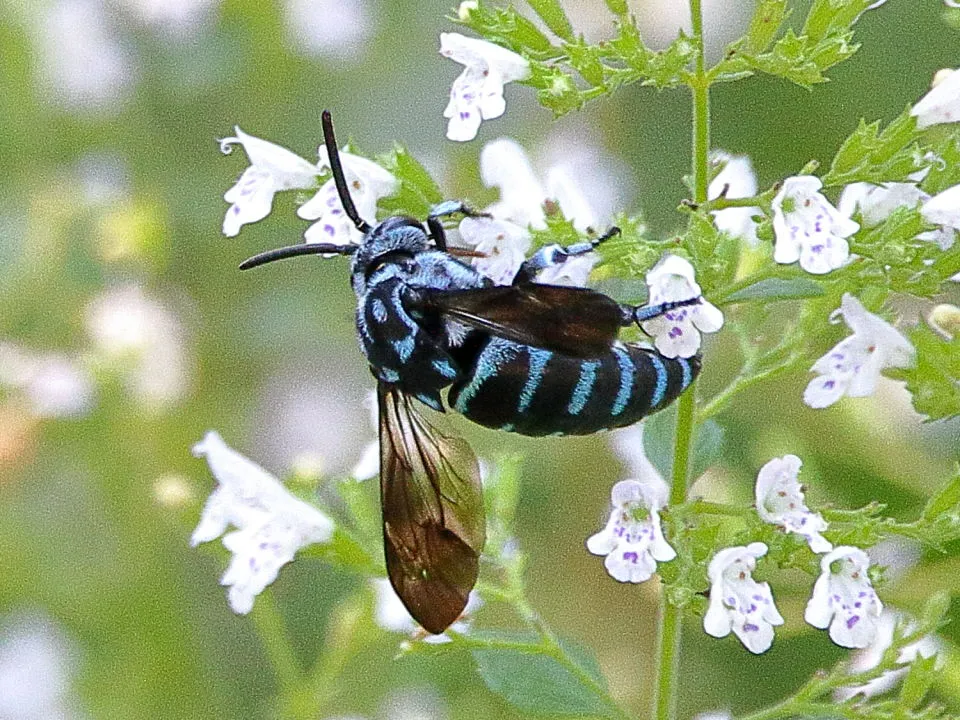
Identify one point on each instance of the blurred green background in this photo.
(112, 261)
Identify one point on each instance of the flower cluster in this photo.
(633, 542)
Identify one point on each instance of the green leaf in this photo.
(773, 289)
(934, 382)
(553, 17)
(919, 678)
(418, 192)
(945, 500)
(507, 27)
(618, 7)
(766, 22)
(556, 88)
(662, 69)
(869, 155)
(831, 17)
(585, 59)
(535, 681)
(944, 166)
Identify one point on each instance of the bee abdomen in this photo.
(532, 391)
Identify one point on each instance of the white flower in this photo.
(633, 540)
(477, 93)
(504, 164)
(780, 501)
(391, 615)
(942, 103)
(738, 602)
(369, 463)
(37, 665)
(853, 366)
(142, 339)
(272, 168)
(808, 228)
(870, 656)
(367, 182)
(943, 209)
(628, 445)
(504, 246)
(504, 237)
(739, 180)
(677, 333)
(843, 598)
(54, 385)
(877, 202)
(271, 523)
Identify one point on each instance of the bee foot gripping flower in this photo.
(272, 168)
(633, 540)
(808, 228)
(738, 602)
(368, 182)
(272, 525)
(843, 598)
(477, 94)
(853, 366)
(780, 501)
(677, 333)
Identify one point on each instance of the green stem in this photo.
(668, 650)
(266, 618)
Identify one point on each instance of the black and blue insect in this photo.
(526, 357)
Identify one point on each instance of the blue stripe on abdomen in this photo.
(661, 387)
(626, 381)
(538, 361)
(581, 393)
(494, 355)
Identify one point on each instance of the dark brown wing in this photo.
(572, 320)
(432, 503)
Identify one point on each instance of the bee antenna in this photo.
(338, 177)
(295, 251)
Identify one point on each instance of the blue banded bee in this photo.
(527, 358)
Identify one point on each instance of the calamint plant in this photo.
(746, 256)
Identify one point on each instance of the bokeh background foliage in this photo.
(119, 184)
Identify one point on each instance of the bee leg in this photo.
(551, 255)
(442, 210)
(641, 313)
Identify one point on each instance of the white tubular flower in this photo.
(808, 228)
(271, 523)
(367, 182)
(843, 598)
(477, 94)
(877, 202)
(943, 208)
(55, 385)
(780, 501)
(738, 602)
(391, 615)
(504, 237)
(735, 180)
(143, 340)
(628, 445)
(504, 165)
(942, 103)
(870, 656)
(677, 333)
(272, 168)
(853, 366)
(369, 463)
(503, 244)
(633, 540)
